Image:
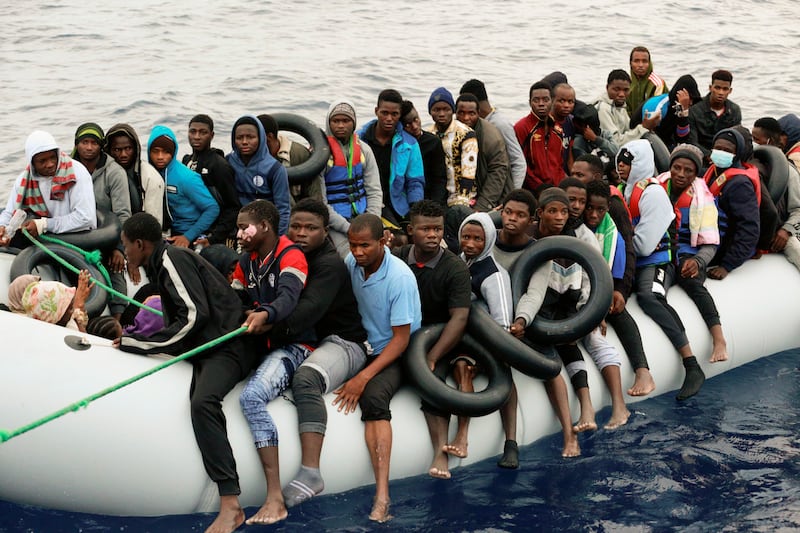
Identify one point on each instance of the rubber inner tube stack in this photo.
(779, 168)
(551, 332)
(434, 390)
(320, 151)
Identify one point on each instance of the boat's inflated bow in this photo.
(589, 316)
(320, 151)
(432, 387)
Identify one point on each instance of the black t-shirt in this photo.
(444, 284)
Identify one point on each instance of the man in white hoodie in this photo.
(54, 190)
(653, 219)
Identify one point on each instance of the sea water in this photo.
(726, 460)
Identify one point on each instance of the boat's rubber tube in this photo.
(104, 237)
(777, 164)
(320, 151)
(33, 260)
(590, 315)
(432, 387)
(508, 348)
(660, 151)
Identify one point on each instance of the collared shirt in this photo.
(389, 297)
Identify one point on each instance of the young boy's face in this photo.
(516, 218)
(307, 230)
(552, 218)
(473, 240)
(342, 127)
(564, 102)
(577, 201)
(246, 139)
(159, 157)
(623, 171)
(251, 232)
(596, 209)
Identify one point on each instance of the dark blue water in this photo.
(726, 460)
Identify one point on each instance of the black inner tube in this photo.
(660, 151)
(320, 151)
(546, 331)
(432, 387)
(779, 168)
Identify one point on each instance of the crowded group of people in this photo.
(332, 275)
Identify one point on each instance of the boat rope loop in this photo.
(84, 402)
(93, 257)
(106, 286)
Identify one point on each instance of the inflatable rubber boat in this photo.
(133, 452)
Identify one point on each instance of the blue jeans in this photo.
(272, 377)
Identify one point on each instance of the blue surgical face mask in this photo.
(721, 158)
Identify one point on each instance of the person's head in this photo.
(598, 196)
(308, 224)
(105, 326)
(17, 288)
(257, 225)
(635, 161)
(587, 168)
(122, 148)
(475, 87)
(162, 150)
(467, 109)
(553, 211)
(477, 236)
(201, 132)
(685, 163)
(342, 120)
(576, 193)
(441, 107)
(767, 130)
(618, 87)
(720, 88)
(555, 78)
(48, 301)
(540, 97)
(640, 61)
(367, 241)
(427, 225)
(271, 133)
(89, 141)
(726, 148)
(519, 208)
(139, 236)
(790, 131)
(563, 101)
(222, 258)
(246, 137)
(42, 153)
(410, 118)
(388, 110)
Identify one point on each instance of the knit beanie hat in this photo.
(690, 152)
(343, 108)
(440, 94)
(90, 129)
(163, 142)
(553, 194)
(625, 156)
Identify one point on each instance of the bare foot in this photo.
(270, 513)
(458, 449)
(380, 511)
(720, 352)
(571, 446)
(439, 467)
(586, 422)
(643, 384)
(228, 520)
(618, 420)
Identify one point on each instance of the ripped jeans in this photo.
(273, 376)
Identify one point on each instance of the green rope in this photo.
(73, 407)
(93, 258)
(100, 284)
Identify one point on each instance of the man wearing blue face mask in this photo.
(736, 187)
